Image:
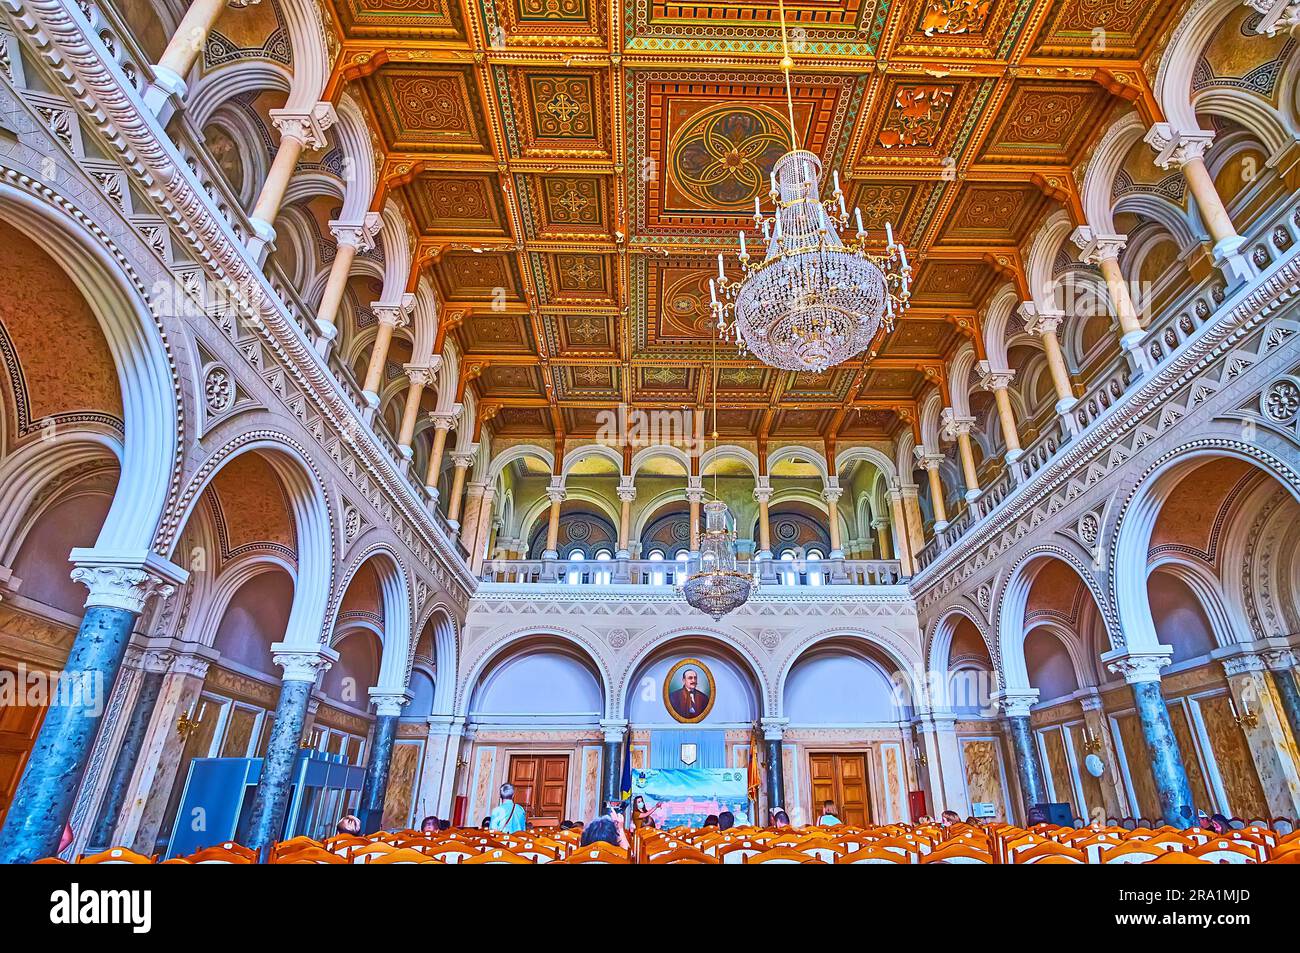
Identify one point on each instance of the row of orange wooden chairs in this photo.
(843, 844)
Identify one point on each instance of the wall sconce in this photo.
(1246, 720)
(311, 740)
(1091, 743)
(920, 760)
(188, 722)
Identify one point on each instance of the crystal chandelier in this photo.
(717, 586)
(815, 299)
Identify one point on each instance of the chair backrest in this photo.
(827, 852)
(117, 855)
(363, 855)
(1037, 853)
(219, 855)
(736, 851)
(403, 855)
(957, 853)
(1138, 852)
(309, 855)
(684, 855)
(782, 855)
(498, 855)
(596, 854)
(874, 855)
(1177, 857)
(1224, 851)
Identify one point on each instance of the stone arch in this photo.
(398, 635)
(502, 645)
(688, 640)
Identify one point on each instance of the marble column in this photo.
(461, 461)
(299, 132)
(554, 492)
(417, 379)
(351, 239)
(1142, 672)
(1029, 769)
(694, 497)
(884, 549)
(773, 732)
(831, 495)
(1103, 251)
(626, 496)
(611, 778)
(374, 787)
(47, 790)
(188, 41)
(1282, 663)
(762, 496)
(443, 421)
(1185, 150)
(154, 667)
(1044, 324)
(1268, 738)
(391, 316)
(997, 382)
(931, 463)
(902, 543)
(482, 530)
(302, 666)
(958, 429)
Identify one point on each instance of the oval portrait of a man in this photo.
(689, 690)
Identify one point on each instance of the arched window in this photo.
(657, 578)
(789, 577)
(683, 567)
(814, 571)
(575, 575)
(603, 576)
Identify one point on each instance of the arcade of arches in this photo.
(357, 388)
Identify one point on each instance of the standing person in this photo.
(829, 817)
(508, 816)
(638, 815)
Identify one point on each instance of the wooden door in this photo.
(18, 727)
(541, 786)
(841, 779)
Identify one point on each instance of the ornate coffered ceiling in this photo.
(571, 167)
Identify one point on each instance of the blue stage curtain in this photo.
(666, 747)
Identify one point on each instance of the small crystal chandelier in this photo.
(815, 299)
(717, 586)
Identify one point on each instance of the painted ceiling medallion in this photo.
(920, 112)
(721, 154)
(954, 16)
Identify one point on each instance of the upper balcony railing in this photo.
(1270, 239)
(655, 572)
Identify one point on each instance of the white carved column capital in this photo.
(359, 235)
(1177, 147)
(1095, 247)
(302, 664)
(124, 581)
(388, 702)
(1016, 703)
(1138, 666)
(989, 379)
(395, 314)
(613, 729)
(308, 127)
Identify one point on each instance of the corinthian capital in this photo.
(360, 235)
(1138, 666)
(302, 664)
(1176, 147)
(124, 582)
(1094, 247)
(991, 379)
(396, 313)
(954, 425)
(308, 127)
(1040, 321)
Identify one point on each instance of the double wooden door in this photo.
(541, 786)
(18, 727)
(842, 780)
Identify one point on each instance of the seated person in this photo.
(829, 818)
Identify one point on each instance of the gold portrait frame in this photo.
(712, 691)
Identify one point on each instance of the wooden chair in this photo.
(117, 855)
(342, 843)
(284, 848)
(451, 852)
(1138, 852)
(874, 855)
(309, 855)
(403, 855)
(684, 855)
(1177, 857)
(364, 855)
(782, 855)
(221, 855)
(1286, 857)
(1224, 851)
(957, 854)
(826, 852)
(1039, 853)
(538, 853)
(596, 854)
(737, 852)
(498, 855)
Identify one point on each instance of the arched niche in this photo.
(1049, 665)
(256, 616)
(842, 683)
(539, 682)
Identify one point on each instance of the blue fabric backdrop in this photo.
(666, 747)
